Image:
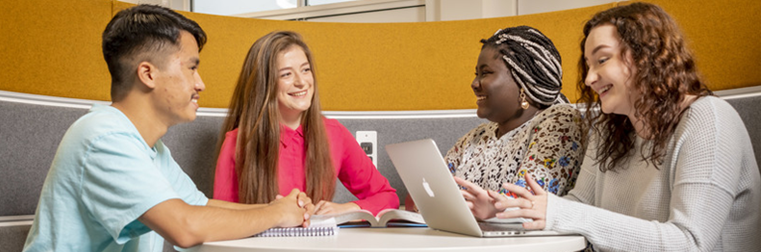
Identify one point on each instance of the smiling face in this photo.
(295, 84)
(495, 89)
(178, 83)
(609, 73)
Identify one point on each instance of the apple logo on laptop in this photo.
(427, 188)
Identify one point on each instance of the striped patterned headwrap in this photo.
(534, 62)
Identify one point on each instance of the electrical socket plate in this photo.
(368, 140)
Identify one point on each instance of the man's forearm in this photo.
(232, 205)
(186, 226)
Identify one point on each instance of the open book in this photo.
(359, 218)
(326, 225)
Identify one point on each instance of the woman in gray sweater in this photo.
(669, 167)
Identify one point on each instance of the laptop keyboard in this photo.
(486, 226)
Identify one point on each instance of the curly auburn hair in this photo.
(665, 74)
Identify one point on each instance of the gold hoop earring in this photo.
(524, 102)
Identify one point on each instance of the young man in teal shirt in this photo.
(113, 182)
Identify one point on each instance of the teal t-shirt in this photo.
(103, 177)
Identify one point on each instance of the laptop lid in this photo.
(437, 196)
(432, 187)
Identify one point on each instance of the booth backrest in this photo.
(30, 134)
(402, 67)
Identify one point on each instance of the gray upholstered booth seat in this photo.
(31, 127)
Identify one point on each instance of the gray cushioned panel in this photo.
(29, 137)
(193, 146)
(12, 238)
(37, 130)
(750, 112)
(444, 131)
(199, 162)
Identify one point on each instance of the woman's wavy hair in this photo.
(665, 74)
(254, 111)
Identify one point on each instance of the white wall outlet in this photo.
(368, 140)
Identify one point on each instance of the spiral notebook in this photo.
(298, 232)
(325, 227)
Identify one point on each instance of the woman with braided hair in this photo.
(670, 167)
(532, 129)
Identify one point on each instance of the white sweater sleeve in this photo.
(705, 162)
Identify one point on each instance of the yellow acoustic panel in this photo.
(54, 49)
(725, 36)
(381, 66)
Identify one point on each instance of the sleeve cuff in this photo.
(553, 203)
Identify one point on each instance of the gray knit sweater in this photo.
(705, 196)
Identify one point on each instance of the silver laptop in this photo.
(437, 196)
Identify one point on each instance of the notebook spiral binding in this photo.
(298, 232)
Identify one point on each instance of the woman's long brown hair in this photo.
(254, 111)
(665, 74)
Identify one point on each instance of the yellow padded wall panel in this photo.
(725, 36)
(429, 65)
(388, 66)
(52, 47)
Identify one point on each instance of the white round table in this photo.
(396, 239)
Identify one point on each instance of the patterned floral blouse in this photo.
(548, 147)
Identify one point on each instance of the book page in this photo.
(374, 221)
(342, 218)
(322, 221)
(396, 214)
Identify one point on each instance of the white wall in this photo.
(413, 14)
(183, 5)
(473, 9)
(445, 10)
(364, 11)
(539, 6)
(389, 11)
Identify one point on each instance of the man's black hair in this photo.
(144, 30)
